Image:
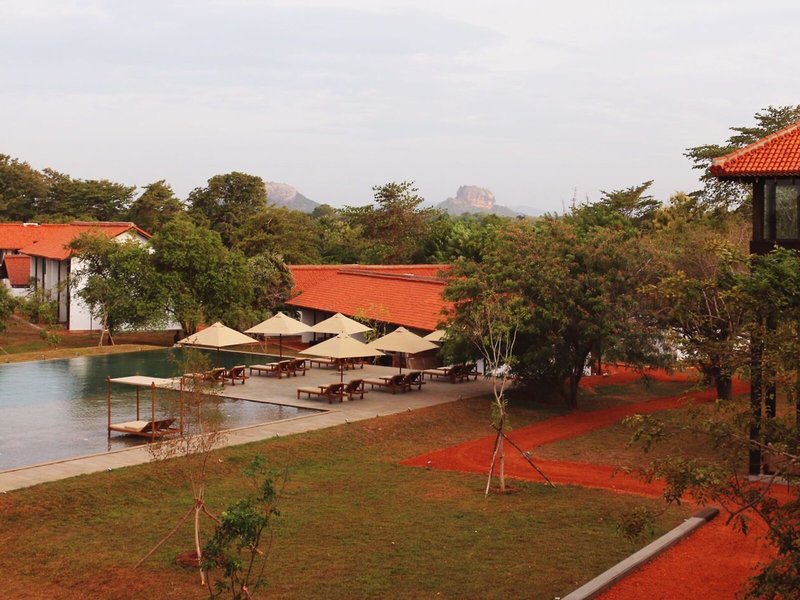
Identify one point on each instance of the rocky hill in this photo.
(283, 194)
(474, 199)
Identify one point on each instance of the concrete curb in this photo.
(622, 569)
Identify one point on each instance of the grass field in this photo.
(354, 523)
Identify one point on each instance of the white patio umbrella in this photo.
(217, 336)
(436, 336)
(338, 323)
(402, 340)
(340, 347)
(280, 325)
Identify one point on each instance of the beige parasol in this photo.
(436, 336)
(217, 336)
(403, 340)
(280, 325)
(340, 347)
(338, 323)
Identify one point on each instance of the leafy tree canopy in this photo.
(22, 188)
(204, 281)
(227, 202)
(394, 225)
(155, 206)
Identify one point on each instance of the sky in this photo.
(539, 102)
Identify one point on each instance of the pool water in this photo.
(56, 409)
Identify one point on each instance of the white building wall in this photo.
(80, 319)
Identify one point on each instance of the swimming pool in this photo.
(56, 409)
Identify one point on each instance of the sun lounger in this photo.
(353, 387)
(278, 369)
(235, 374)
(297, 364)
(455, 373)
(144, 428)
(414, 379)
(470, 370)
(324, 362)
(330, 391)
(393, 383)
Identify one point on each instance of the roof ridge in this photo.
(766, 140)
(398, 276)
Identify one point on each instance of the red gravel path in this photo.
(714, 562)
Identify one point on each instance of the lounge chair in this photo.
(235, 374)
(353, 387)
(393, 383)
(214, 375)
(267, 369)
(438, 372)
(324, 362)
(144, 428)
(297, 364)
(330, 391)
(414, 379)
(470, 370)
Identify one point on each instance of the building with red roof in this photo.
(39, 255)
(407, 295)
(772, 166)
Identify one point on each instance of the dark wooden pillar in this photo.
(772, 212)
(758, 210)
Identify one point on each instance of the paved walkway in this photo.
(276, 391)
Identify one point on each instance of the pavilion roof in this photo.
(777, 154)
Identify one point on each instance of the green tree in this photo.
(291, 233)
(155, 206)
(340, 241)
(204, 281)
(727, 195)
(227, 202)
(21, 189)
(581, 290)
(394, 226)
(271, 280)
(696, 297)
(118, 283)
(94, 200)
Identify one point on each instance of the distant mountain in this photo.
(474, 199)
(283, 194)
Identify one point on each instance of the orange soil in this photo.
(714, 561)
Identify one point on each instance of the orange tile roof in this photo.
(395, 294)
(774, 155)
(52, 240)
(306, 276)
(18, 268)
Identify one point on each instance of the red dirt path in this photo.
(713, 562)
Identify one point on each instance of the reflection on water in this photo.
(56, 409)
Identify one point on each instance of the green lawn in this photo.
(354, 523)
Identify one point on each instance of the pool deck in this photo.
(375, 403)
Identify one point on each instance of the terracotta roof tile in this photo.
(18, 267)
(52, 240)
(306, 276)
(396, 295)
(777, 154)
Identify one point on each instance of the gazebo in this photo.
(771, 166)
